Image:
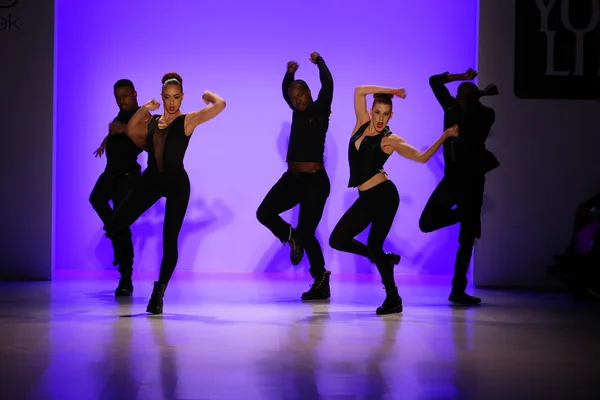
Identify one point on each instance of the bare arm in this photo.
(137, 128)
(116, 128)
(399, 145)
(215, 105)
(360, 100)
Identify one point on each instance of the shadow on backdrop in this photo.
(200, 217)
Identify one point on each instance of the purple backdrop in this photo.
(240, 50)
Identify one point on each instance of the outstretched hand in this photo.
(99, 151)
(313, 57)
(152, 105)
(292, 66)
(452, 131)
(470, 74)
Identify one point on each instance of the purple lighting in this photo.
(240, 50)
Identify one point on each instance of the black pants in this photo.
(465, 191)
(377, 207)
(175, 187)
(115, 188)
(310, 190)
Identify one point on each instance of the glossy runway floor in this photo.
(247, 337)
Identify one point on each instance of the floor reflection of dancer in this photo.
(166, 138)
(306, 181)
(370, 146)
(466, 162)
(121, 173)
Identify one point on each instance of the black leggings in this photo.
(114, 187)
(376, 206)
(465, 191)
(175, 187)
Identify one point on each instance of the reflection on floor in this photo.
(248, 337)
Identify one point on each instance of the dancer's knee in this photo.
(263, 214)
(425, 224)
(337, 240)
(95, 200)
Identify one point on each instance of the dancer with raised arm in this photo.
(166, 138)
(370, 146)
(466, 162)
(305, 182)
(120, 175)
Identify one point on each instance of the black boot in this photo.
(125, 288)
(463, 299)
(392, 303)
(155, 305)
(320, 289)
(392, 257)
(297, 251)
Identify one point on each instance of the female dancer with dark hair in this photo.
(166, 139)
(370, 146)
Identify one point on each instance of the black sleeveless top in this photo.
(121, 152)
(369, 159)
(166, 147)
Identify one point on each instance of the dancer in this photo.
(120, 175)
(166, 138)
(305, 182)
(370, 146)
(466, 162)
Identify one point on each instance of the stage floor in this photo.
(247, 337)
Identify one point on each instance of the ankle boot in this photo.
(320, 289)
(155, 305)
(125, 288)
(296, 249)
(393, 258)
(392, 303)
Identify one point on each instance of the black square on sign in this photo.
(557, 49)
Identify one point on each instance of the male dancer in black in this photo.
(305, 182)
(466, 162)
(121, 173)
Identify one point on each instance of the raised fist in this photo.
(491, 90)
(401, 92)
(313, 57)
(152, 105)
(452, 131)
(292, 66)
(470, 74)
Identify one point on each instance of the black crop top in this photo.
(369, 159)
(166, 147)
(121, 152)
